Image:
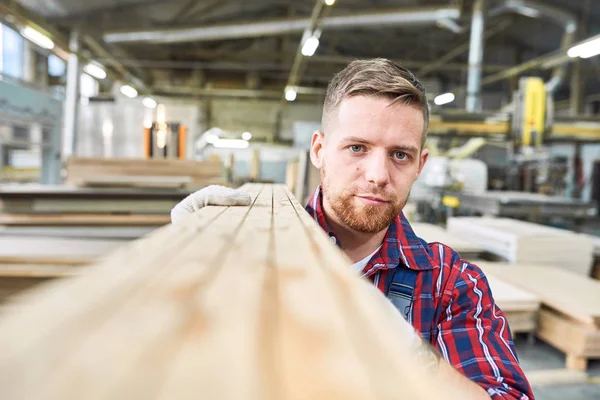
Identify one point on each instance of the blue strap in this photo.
(400, 287)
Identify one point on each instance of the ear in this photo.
(422, 161)
(316, 148)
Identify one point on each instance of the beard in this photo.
(363, 218)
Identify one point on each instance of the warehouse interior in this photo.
(113, 111)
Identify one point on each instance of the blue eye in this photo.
(400, 155)
(355, 148)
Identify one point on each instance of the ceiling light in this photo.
(310, 46)
(290, 94)
(95, 70)
(38, 38)
(527, 11)
(444, 99)
(330, 2)
(129, 91)
(586, 49)
(246, 136)
(149, 102)
(231, 143)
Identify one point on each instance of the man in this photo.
(369, 152)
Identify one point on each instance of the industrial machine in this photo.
(518, 160)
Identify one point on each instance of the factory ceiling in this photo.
(253, 44)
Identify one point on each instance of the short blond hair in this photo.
(376, 77)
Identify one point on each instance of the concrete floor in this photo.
(541, 356)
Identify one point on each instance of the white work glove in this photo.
(211, 195)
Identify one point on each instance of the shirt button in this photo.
(332, 238)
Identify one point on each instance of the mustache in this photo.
(373, 191)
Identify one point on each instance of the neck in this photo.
(356, 245)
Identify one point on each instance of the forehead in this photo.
(377, 119)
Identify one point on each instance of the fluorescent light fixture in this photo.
(310, 46)
(586, 49)
(231, 143)
(95, 70)
(290, 94)
(149, 102)
(527, 11)
(129, 91)
(444, 99)
(330, 2)
(246, 136)
(37, 37)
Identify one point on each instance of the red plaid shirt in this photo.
(453, 307)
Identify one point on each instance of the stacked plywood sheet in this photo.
(570, 319)
(139, 172)
(523, 242)
(233, 303)
(26, 261)
(433, 233)
(520, 306)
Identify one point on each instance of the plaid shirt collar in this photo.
(400, 245)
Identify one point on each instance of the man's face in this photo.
(369, 157)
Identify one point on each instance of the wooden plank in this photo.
(511, 298)
(434, 233)
(524, 242)
(234, 302)
(522, 321)
(37, 271)
(83, 220)
(573, 295)
(53, 251)
(81, 171)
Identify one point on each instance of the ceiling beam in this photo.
(462, 48)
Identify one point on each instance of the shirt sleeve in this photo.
(474, 336)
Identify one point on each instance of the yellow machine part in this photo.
(534, 112)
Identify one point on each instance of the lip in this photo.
(373, 199)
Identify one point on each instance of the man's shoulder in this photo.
(450, 263)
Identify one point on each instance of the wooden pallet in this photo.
(520, 306)
(579, 342)
(570, 318)
(233, 303)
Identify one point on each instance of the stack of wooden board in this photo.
(433, 233)
(106, 226)
(26, 261)
(139, 172)
(233, 303)
(47, 199)
(520, 306)
(524, 242)
(570, 318)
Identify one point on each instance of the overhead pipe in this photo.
(534, 9)
(476, 57)
(404, 16)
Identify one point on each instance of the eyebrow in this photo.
(355, 139)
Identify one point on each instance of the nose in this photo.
(377, 169)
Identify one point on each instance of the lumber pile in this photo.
(26, 261)
(433, 233)
(570, 318)
(233, 303)
(48, 199)
(143, 173)
(524, 242)
(520, 306)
